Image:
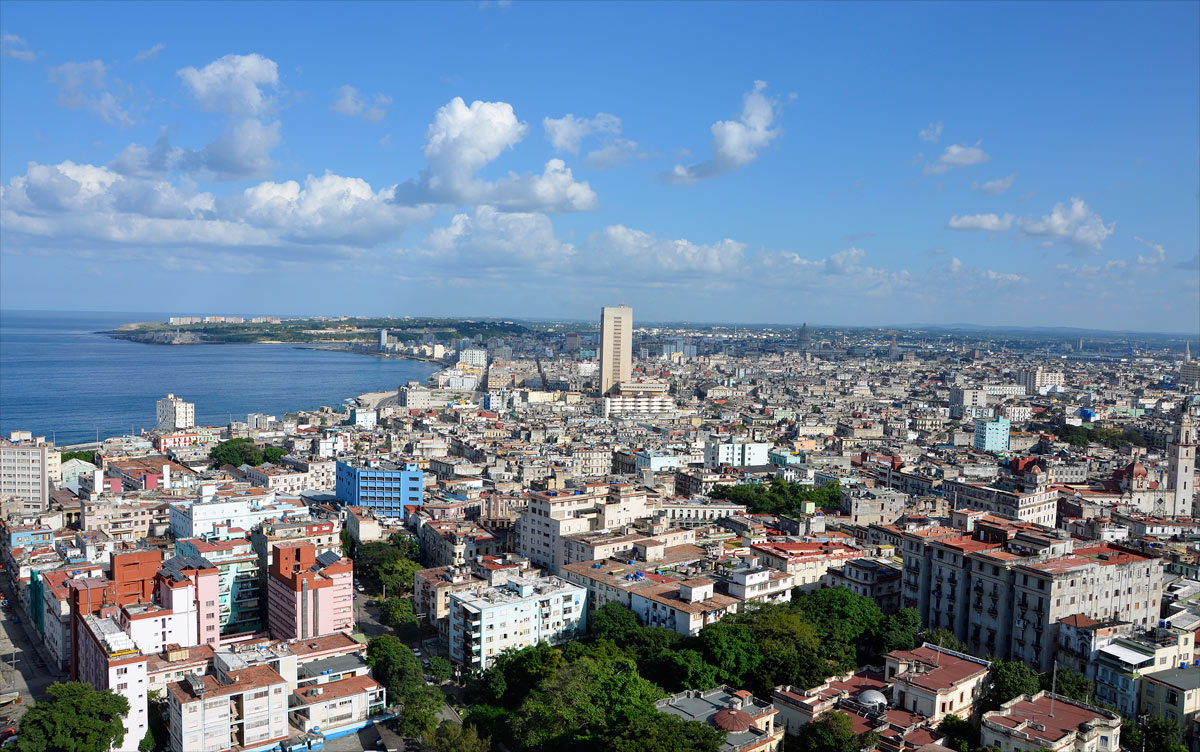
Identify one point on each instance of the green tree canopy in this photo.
(615, 622)
(964, 735)
(731, 649)
(394, 666)
(238, 452)
(419, 714)
(1010, 679)
(1069, 683)
(943, 638)
(779, 496)
(663, 732)
(1160, 734)
(76, 718)
(452, 737)
(832, 732)
(440, 668)
(900, 630)
(398, 614)
(88, 456)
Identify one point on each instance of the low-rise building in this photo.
(1051, 722)
(243, 710)
(747, 722)
(935, 682)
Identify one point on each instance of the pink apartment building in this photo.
(309, 595)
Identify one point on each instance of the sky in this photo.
(852, 164)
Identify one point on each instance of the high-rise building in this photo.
(616, 346)
(383, 341)
(1181, 463)
(382, 486)
(992, 435)
(28, 465)
(174, 414)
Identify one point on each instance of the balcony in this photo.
(978, 588)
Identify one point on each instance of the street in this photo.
(31, 676)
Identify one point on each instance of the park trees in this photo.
(76, 718)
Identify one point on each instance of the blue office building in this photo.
(992, 435)
(381, 485)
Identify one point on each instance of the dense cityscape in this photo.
(631, 537)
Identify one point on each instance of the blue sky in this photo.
(1029, 164)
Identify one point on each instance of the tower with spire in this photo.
(1181, 462)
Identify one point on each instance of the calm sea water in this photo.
(58, 377)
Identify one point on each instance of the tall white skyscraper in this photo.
(173, 414)
(616, 346)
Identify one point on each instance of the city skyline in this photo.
(770, 184)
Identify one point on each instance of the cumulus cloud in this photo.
(350, 102)
(149, 54)
(17, 48)
(77, 207)
(85, 86)
(995, 187)
(932, 133)
(618, 245)
(988, 222)
(735, 143)
(234, 84)
(566, 133)
(497, 239)
(614, 152)
(463, 139)
(1075, 225)
(956, 156)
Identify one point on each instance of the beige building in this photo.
(174, 414)
(935, 682)
(28, 466)
(213, 713)
(1030, 723)
(616, 346)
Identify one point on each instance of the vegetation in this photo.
(1153, 733)
(238, 452)
(779, 496)
(1081, 436)
(963, 734)
(76, 718)
(1010, 679)
(440, 668)
(398, 614)
(388, 566)
(585, 692)
(452, 737)
(395, 667)
(322, 330)
(944, 638)
(833, 732)
(156, 713)
(88, 456)
(1069, 683)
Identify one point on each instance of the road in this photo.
(31, 676)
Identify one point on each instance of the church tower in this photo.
(1181, 464)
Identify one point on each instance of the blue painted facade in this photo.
(383, 486)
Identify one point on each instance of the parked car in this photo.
(16, 619)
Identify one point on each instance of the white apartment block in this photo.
(700, 512)
(1038, 381)
(242, 508)
(322, 473)
(280, 479)
(735, 453)
(109, 659)
(1039, 507)
(553, 516)
(174, 414)
(243, 709)
(686, 607)
(26, 471)
(524, 611)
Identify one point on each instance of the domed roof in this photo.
(1137, 470)
(733, 719)
(873, 697)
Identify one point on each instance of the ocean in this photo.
(60, 379)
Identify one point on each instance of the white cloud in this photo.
(617, 246)
(995, 187)
(566, 133)
(988, 222)
(956, 156)
(487, 238)
(932, 133)
(350, 102)
(17, 48)
(1076, 225)
(242, 150)
(1157, 255)
(149, 54)
(234, 84)
(614, 152)
(85, 86)
(735, 143)
(84, 208)
(461, 140)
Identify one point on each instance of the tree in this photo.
(514, 674)
(236, 452)
(900, 630)
(844, 621)
(964, 735)
(1161, 734)
(942, 638)
(156, 734)
(1069, 683)
(832, 732)
(88, 456)
(394, 666)
(273, 454)
(452, 737)
(615, 622)
(1010, 679)
(421, 706)
(398, 576)
(731, 649)
(685, 669)
(664, 732)
(398, 614)
(440, 668)
(76, 718)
